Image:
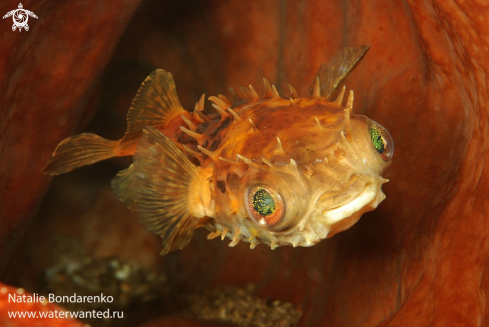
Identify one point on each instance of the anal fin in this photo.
(161, 182)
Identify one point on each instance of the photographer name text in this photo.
(51, 298)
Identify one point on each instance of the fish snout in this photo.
(340, 211)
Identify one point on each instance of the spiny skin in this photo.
(330, 169)
(260, 170)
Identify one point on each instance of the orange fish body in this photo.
(261, 170)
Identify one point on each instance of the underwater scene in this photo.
(243, 163)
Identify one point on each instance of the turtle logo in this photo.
(20, 17)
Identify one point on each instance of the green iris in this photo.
(377, 139)
(263, 202)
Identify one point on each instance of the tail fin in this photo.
(160, 182)
(155, 103)
(80, 150)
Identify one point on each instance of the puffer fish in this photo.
(270, 170)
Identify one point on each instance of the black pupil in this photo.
(263, 202)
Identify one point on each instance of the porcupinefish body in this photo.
(261, 170)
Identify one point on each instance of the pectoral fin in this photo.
(161, 180)
(122, 186)
(342, 64)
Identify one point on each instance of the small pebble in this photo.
(240, 307)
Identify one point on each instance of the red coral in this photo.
(15, 302)
(419, 259)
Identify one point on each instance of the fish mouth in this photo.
(363, 195)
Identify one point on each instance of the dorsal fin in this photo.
(342, 64)
(155, 102)
(160, 189)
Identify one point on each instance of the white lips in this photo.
(366, 197)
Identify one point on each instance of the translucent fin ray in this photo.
(155, 102)
(162, 177)
(122, 186)
(342, 64)
(78, 151)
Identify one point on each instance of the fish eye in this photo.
(381, 140)
(265, 205)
